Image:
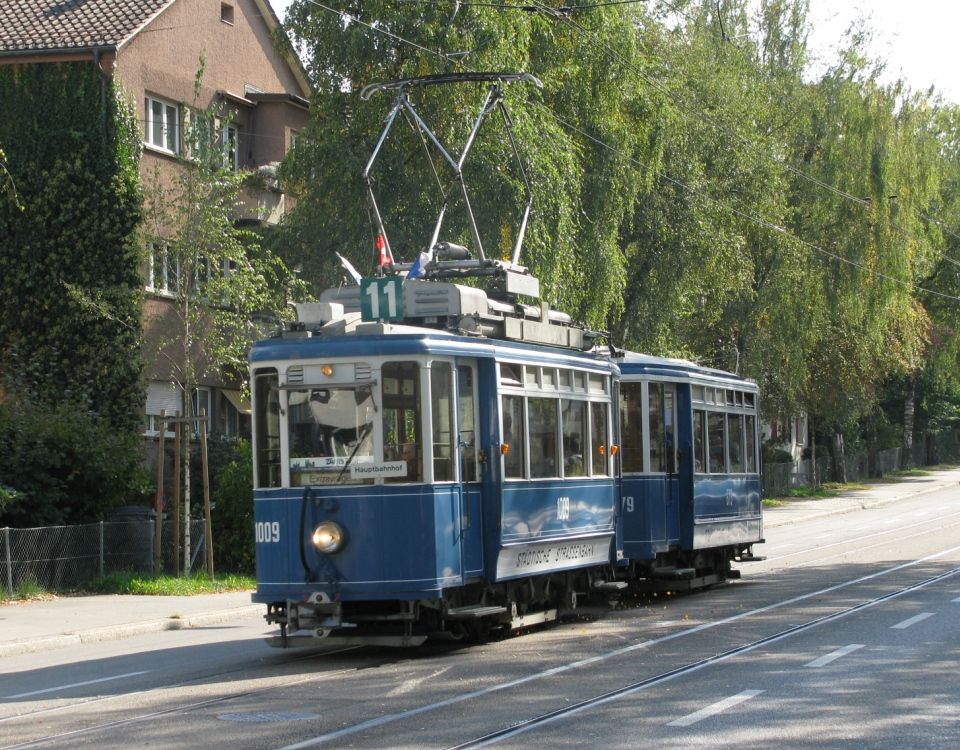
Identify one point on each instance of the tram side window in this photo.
(266, 397)
(401, 418)
(514, 431)
(543, 437)
(598, 438)
(441, 401)
(715, 433)
(631, 426)
(751, 434)
(468, 423)
(699, 441)
(735, 442)
(658, 460)
(573, 418)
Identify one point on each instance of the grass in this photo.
(827, 489)
(910, 473)
(810, 492)
(28, 588)
(165, 585)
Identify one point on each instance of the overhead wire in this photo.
(742, 214)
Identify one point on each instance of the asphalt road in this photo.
(847, 636)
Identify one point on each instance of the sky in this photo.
(918, 38)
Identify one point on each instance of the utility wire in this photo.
(658, 85)
(742, 214)
(750, 217)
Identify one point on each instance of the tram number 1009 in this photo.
(267, 531)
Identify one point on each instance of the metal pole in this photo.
(207, 523)
(158, 503)
(177, 433)
(101, 549)
(6, 546)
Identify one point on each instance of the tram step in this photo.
(674, 573)
(474, 611)
(610, 585)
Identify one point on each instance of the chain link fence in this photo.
(58, 558)
(928, 451)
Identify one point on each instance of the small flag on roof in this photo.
(348, 266)
(386, 257)
(419, 267)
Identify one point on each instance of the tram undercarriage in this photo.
(474, 612)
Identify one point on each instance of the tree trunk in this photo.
(909, 411)
(840, 464)
(188, 434)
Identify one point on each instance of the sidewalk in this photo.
(879, 493)
(27, 627)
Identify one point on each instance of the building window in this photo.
(233, 414)
(226, 13)
(163, 271)
(201, 403)
(166, 398)
(161, 125)
(229, 141)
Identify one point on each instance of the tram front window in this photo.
(330, 430)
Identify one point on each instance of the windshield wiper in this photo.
(367, 429)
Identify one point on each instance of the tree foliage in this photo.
(582, 191)
(700, 190)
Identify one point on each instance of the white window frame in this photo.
(163, 395)
(158, 252)
(230, 135)
(197, 406)
(158, 134)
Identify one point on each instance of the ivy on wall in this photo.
(70, 294)
(72, 147)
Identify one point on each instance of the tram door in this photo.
(468, 446)
(662, 434)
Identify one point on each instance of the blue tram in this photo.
(414, 480)
(690, 482)
(440, 458)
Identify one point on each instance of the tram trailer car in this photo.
(415, 481)
(691, 489)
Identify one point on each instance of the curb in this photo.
(118, 632)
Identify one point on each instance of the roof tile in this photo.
(48, 25)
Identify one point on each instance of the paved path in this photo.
(26, 627)
(879, 493)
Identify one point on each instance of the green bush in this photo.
(773, 455)
(232, 517)
(64, 465)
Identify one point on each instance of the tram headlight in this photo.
(328, 537)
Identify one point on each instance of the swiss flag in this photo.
(386, 258)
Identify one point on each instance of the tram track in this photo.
(846, 543)
(595, 702)
(540, 719)
(385, 720)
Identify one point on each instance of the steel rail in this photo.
(546, 718)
